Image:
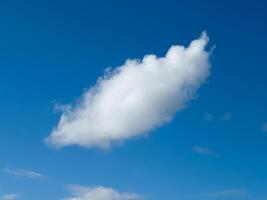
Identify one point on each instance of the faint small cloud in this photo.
(9, 196)
(23, 173)
(60, 108)
(228, 193)
(226, 116)
(100, 192)
(208, 117)
(205, 151)
(264, 127)
(138, 173)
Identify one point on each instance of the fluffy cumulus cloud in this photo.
(135, 98)
(99, 193)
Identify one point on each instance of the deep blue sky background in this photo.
(50, 51)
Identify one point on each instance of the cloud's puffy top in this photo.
(134, 98)
(99, 193)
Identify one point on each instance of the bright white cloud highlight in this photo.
(9, 197)
(23, 173)
(99, 193)
(135, 98)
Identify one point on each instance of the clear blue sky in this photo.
(50, 51)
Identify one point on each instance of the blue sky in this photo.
(52, 51)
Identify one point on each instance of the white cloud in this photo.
(205, 151)
(9, 197)
(264, 127)
(135, 98)
(228, 193)
(98, 193)
(23, 173)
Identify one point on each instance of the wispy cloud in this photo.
(135, 98)
(205, 151)
(9, 196)
(226, 116)
(98, 193)
(228, 193)
(264, 127)
(208, 117)
(23, 173)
